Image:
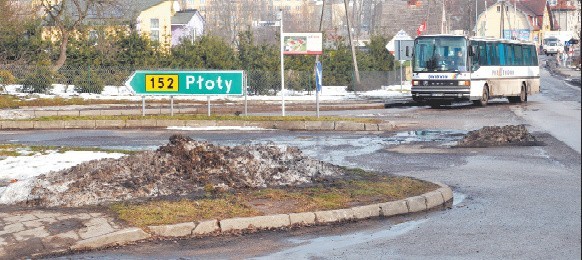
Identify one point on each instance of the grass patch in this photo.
(170, 212)
(361, 189)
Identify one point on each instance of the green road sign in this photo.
(145, 82)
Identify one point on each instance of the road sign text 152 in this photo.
(159, 82)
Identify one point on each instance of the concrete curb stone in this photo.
(433, 199)
(416, 204)
(349, 126)
(206, 227)
(320, 125)
(121, 237)
(80, 124)
(393, 208)
(336, 215)
(261, 222)
(368, 211)
(175, 230)
(304, 218)
(57, 124)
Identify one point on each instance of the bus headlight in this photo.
(415, 82)
(464, 83)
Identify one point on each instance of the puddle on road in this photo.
(311, 248)
(322, 246)
(332, 148)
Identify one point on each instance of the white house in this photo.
(186, 25)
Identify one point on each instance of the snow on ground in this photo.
(24, 169)
(125, 93)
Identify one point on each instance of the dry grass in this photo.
(340, 194)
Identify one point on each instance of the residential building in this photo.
(186, 25)
(155, 19)
(565, 15)
(515, 19)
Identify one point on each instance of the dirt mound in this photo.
(182, 167)
(499, 136)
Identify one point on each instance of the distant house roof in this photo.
(183, 17)
(107, 12)
(535, 7)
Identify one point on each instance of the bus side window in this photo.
(534, 56)
(492, 54)
(509, 54)
(501, 49)
(527, 60)
(482, 54)
(518, 56)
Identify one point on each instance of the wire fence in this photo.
(28, 79)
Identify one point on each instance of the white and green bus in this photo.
(451, 68)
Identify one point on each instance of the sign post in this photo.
(201, 83)
(401, 46)
(318, 83)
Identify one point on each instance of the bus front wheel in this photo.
(484, 98)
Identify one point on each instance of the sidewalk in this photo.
(32, 233)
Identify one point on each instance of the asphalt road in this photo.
(510, 202)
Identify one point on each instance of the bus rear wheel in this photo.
(484, 98)
(522, 98)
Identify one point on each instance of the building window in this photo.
(498, 9)
(155, 29)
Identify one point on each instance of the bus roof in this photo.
(477, 38)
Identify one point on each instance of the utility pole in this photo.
(515, 18)
(282, 65)
(356, 72)
(444, 20)
(502, 23)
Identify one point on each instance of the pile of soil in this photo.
(499, 136)
(182, 167)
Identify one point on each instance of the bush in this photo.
(89, 81)
(40, 80)
(6, 77)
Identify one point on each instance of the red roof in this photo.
(563, 5)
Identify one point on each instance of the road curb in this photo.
(163, 124)
(414, 204)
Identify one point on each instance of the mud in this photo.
(509, 135)
(182, 167)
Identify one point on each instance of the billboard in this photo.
(302, 43)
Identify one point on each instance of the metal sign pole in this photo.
(208, 101)
(245, 90)
(401, 62)
(171, 105)
(143, 105)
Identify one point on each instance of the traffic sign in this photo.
(146, 82)
(318, 76)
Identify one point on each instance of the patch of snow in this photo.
(24, 169)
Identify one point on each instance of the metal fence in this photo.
(27, 79)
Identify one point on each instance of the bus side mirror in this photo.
(471, 50)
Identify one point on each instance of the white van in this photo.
(551, 46)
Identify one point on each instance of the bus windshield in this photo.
(443, 54)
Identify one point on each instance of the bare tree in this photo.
(67, 16)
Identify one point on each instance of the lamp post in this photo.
(280, 18)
